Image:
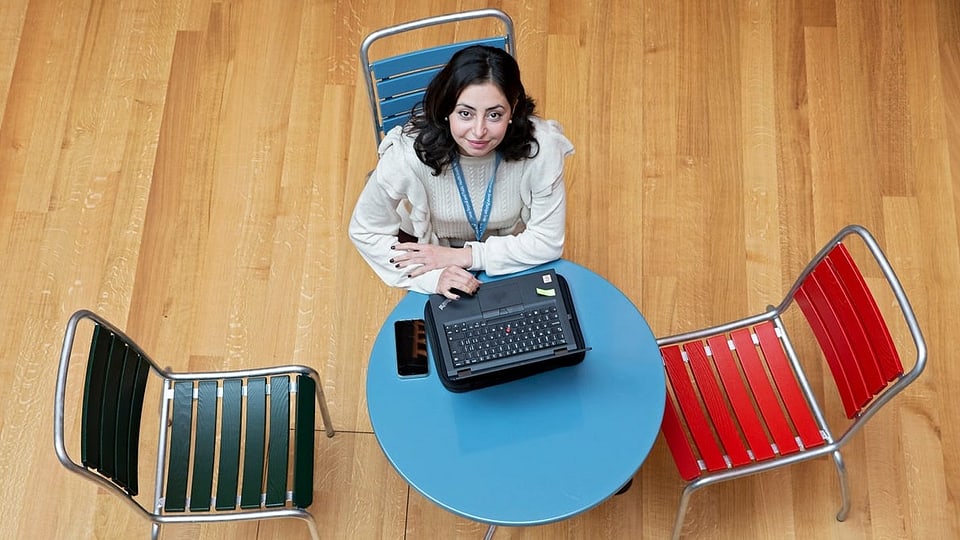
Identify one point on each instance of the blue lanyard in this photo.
(479, 226)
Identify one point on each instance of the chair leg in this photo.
(155, 531)
(314, 533)
(682, 510)
(844, 488)
(490, 530)
(324, 411)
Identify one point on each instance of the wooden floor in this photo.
(187, 168)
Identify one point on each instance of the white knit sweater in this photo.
(527, 219)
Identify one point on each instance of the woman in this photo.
(474, 177)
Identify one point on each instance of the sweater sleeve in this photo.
(542, 189)
(376, 217)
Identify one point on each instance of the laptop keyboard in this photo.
(528, 331)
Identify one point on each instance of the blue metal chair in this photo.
(396, 84)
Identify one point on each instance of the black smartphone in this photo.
(411, 337)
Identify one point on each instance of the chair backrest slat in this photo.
(739, 398)
(97, 362)
(128, 418)
(136, 415)
(109, 406)
(783, 376)
(847, 332)
(253, 443)
(723, 423)
(416, 81)
(201, 483)
(279, 447)
(686, 398)
(175, 499)
(112, 405)
(431, 57)
(395, 110)
(229, 462)
(848, 326)
(866, 310)
(845, 387)
(303, 441)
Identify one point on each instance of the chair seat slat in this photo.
(716, 404)
(201, 485)
(763, 392)
(253, 443)
(739, 398)
(229, 461)
(279, 447)
(179, 463)
(697, 422)
(790, 393)
(303, 441)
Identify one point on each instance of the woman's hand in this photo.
(454, 277)
(426, 257)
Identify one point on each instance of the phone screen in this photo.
(411, 338)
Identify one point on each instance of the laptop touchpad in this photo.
(499, 300)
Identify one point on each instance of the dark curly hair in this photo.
(477, 64)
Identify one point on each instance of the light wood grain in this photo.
(188, 167)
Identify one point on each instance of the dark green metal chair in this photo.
(230, 446)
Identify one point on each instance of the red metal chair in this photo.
(738, 400)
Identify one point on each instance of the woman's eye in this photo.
(495, 116)
(464, 114)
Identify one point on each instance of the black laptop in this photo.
(512, 328)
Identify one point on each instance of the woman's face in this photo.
(480, 118)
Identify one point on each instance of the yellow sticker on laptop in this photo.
(546, 292)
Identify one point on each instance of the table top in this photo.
(535, 450)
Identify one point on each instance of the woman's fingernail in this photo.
(393, 247)
(396, 265)
(392, 261)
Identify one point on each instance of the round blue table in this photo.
(535, 450)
